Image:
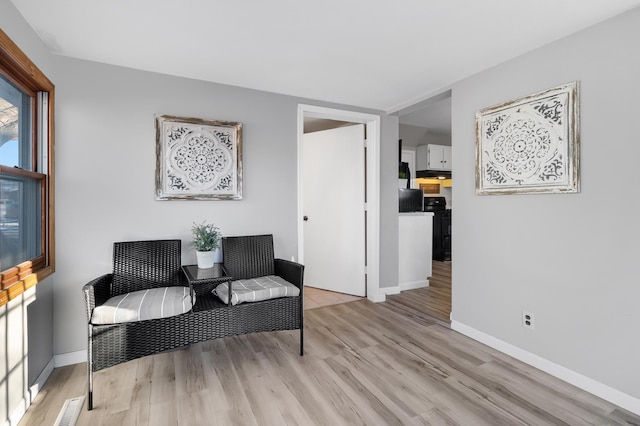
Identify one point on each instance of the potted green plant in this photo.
(206, 239)
(402, 180)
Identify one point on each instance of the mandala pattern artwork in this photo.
(199, 159)
(526, 143)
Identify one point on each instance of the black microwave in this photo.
(411, 200)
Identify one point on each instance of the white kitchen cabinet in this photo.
(433, 157)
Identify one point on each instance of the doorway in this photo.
(333, 184)
(372, 209)
(429, 123)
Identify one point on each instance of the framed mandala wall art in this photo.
(530, 145)
(198, 159)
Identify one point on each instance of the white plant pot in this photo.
(206, 259)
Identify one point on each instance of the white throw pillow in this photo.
(142, 305)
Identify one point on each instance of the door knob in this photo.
(305, 218)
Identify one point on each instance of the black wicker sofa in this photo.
(140, 265)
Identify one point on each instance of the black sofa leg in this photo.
(301, 341)
(90, 389)
(89, 370)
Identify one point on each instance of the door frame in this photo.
(372, 158)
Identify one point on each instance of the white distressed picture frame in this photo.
(529, 145)
(198, 159)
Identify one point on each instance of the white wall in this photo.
(389, 202)
(569, 259)
(413, 136)
(106, 171)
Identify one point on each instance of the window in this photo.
(26, 172)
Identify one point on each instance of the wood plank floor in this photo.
(434, 300)
(316, 298)
(364, 364)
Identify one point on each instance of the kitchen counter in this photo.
(416, 213)
(415, 247)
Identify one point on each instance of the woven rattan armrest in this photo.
(290, 271)
(96, 292)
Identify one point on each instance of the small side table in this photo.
(203, 281)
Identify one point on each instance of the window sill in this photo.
(18, 288)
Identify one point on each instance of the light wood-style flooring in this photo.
(364, 364)
(434, 300)
(316, 298)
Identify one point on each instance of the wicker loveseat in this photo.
(140, 265)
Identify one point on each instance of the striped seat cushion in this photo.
(142, 305)
(256, 289)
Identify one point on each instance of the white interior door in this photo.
(333, 179)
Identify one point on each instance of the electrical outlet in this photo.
(527, 320)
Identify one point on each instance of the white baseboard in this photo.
(413, 285)
(70, 358)
(33, 391)
(381, 295)
(377, 298)
(594, 387)
(44, 375)
(391, 290)
(383, 291)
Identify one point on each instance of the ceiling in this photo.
(436, 116)
(384, 55)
